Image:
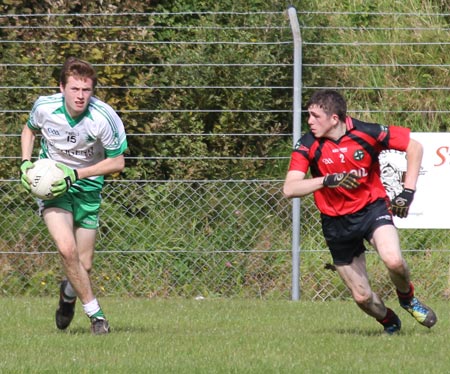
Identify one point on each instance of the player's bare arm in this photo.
(296, 185)
(104, 167)
(414, 154)
(27, 142)
(400, 204)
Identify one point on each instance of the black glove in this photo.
(346, 180)
(400, 203)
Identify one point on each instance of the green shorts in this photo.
(84, 206)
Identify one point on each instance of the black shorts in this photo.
(345, 234)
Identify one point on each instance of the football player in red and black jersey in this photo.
(341, 154)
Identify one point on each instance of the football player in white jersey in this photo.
(87, 139)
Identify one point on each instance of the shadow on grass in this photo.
(81, 330)
(378, 332)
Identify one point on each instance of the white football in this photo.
(42, 176)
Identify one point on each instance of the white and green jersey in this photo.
(97, 134)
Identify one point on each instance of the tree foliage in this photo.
(156, 79)
(174, 68)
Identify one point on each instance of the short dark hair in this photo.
(74, 67)
(330, 101)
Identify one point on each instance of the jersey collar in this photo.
(349, 123)
(72, 121)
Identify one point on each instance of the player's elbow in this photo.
(119, 164)
(415, 147)
(122, 167)
(288, 191)
(293, 184)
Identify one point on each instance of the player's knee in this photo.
(396, 265)
(68, 253)
(363, 299)
(87, 267)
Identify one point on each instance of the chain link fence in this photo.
(219, 239)
(213, 245)
(214, 238)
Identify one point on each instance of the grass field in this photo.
(219, 336)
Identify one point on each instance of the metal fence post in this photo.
(297, 84)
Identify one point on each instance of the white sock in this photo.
(91, 307)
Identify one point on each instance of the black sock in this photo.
(388, 319)
(406, 297)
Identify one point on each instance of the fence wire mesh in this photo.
(235, 247)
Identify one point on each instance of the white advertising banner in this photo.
(431, 204)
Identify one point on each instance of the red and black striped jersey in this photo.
(357, 152)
